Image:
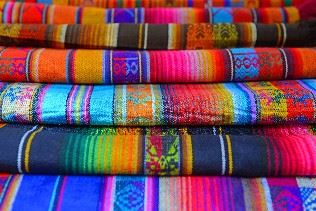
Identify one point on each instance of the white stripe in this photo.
(148, 66)
(210, 14)
(284, 34)
(140, 66)
(255, 18)
(62, 36)
(267, 194)
(214, 130)
(170, 36)
(145, 36)
(27, 61)
(20, 150)
(153, 99)
(112, 15)
(231, 64)
(124, 104)
(20, 15)
(223, 154)
(114, 32)
(111, 68)
(136, 15)
(286, 63)
(36, 61)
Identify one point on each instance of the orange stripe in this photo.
(28, 149)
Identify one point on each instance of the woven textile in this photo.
(163, 36)
(240, 151)
(124, 67)
(54, 14)
(170, 3)
(152, 193)
(141, 105)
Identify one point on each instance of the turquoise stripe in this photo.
(51, 109)
(52, 201)
(242, 110)
(101, 105)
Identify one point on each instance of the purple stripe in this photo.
(86, 104)
(69, 104)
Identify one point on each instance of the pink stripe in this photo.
(109, 194)
(149, 197)
(87, 104)
(70, 103)
(8, 12)
(61, 193)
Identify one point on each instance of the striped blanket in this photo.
(275, 102)
(164, 151)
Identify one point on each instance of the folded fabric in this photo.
(42, 13)
(171, 3)
(239, 151)
(125, 67)
(159, 36)
(277, 102)
(23, 192)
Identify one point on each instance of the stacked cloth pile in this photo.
(158, 105)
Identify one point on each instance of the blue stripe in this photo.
(36, 191)
(241, 104)
(82, 197)
(106, 74)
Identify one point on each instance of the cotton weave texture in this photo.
(157, 105)
(127, 67)
(55, 14)
(163, 151)
(153, 193)
(158, 36)
(172, 3)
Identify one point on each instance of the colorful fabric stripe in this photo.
(277, 102)
(153, 193)
(168, 3)
(55, 14)
(158, 37)
(126, 67)
(166, 151)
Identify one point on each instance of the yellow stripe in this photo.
(187, 154)
(140, 35)
(230, 155)
(28, 149)
(279, 34)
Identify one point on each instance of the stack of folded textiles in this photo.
(158, 105)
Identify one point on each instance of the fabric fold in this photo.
(161, 151)
(159, 36)
(168, 3)
(152, 193)
(130, 67)
(55, 14)
(276, 102)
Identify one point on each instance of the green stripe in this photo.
(102, 155)
(85, 154)
(67, 152)
(74, 154)
(90, 154)
(94, 154)
(109, 155)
